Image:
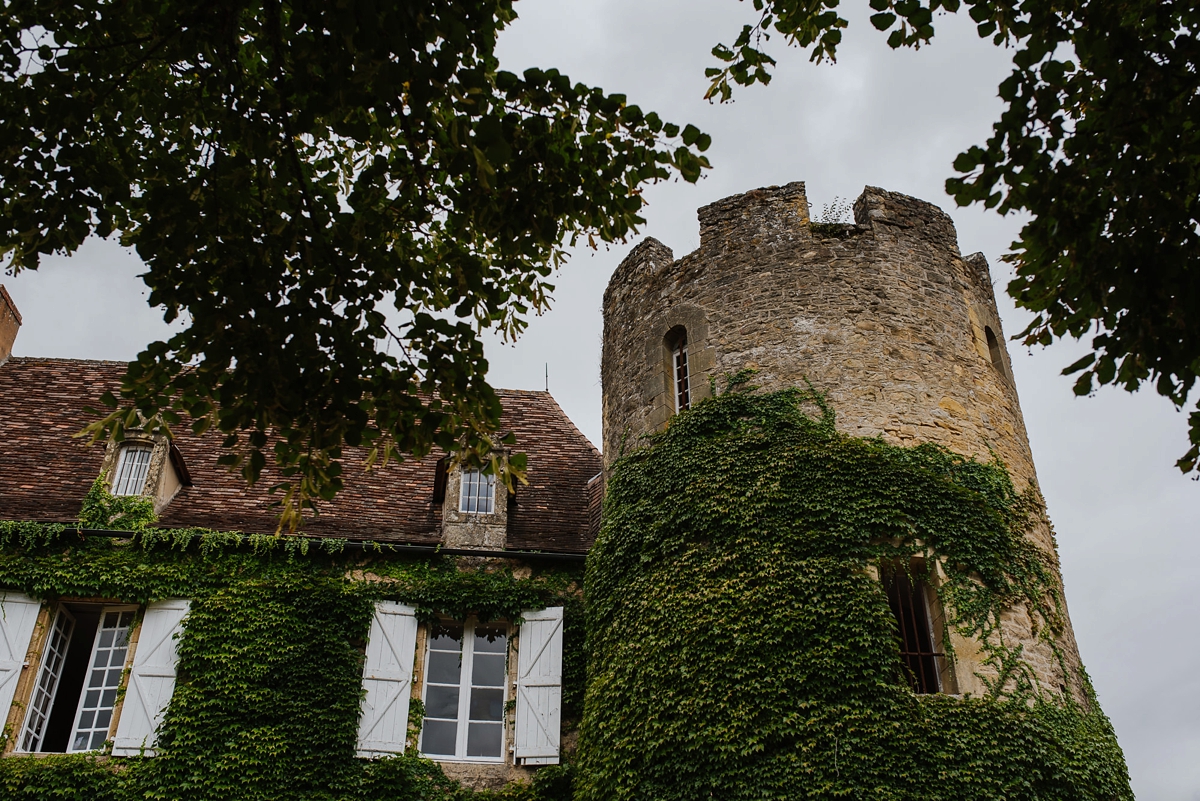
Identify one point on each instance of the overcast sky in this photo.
(1126, 519)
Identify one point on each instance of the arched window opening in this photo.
(994, 349)
(678, 345)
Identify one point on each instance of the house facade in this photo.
(93, 670)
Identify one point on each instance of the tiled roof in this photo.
(44, 472)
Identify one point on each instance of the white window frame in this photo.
(465, 681)
(133, 469)
(477, 493)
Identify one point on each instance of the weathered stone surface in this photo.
(884, 316)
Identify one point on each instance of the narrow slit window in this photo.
(994, 350)
(465, 670)
(76, 692)
(907, 596)
(679, 359)
(478, 495)
(132, 468)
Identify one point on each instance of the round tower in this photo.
(884, 317)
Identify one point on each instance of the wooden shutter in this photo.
(387, 679)
(152, 679)
(539, 687)
(18, 616)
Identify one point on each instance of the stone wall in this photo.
(10, 322)
(884, 316)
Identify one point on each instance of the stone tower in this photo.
(883, 316)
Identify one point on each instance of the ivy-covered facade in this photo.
(817, 566)
(421, 638)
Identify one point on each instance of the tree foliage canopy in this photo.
(290, 169)
(1099, 143)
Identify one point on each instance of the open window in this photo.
(918, 628)
(677, 346)
(75, 696)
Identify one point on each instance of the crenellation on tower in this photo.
(767, 217)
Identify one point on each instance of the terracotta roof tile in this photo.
(45, 472)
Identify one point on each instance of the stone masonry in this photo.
(884, 316)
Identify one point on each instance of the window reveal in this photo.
(465, 670)
(132, 468)
(907, 596)
(478, 493)
(76, 692)
(994, 351)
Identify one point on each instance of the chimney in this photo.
(10, 321)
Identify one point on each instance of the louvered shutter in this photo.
(539, 687)
(152, 679)
(387, 679)
(18, 616)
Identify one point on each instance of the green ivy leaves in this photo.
(267, 699)
(740, 649)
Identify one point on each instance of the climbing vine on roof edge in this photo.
(266, 705)
(742, 648)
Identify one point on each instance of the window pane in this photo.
(444, 668)
(439, 737)
(487, 703)
(442, 702)
(490, 640)
(489, 670)
(484, 739)
(446, 638)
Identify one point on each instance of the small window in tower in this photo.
(132, 468)
(478, 493)
(908, 596)
(679, 369)
(994, 349)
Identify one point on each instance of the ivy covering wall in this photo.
(741, 648)
(270, 662)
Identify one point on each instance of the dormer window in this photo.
(679, 365)
(133, 465)
(478, 495)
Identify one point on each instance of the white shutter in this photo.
(152, 679)
(18, 616)
(539, 687)
(387, 679)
